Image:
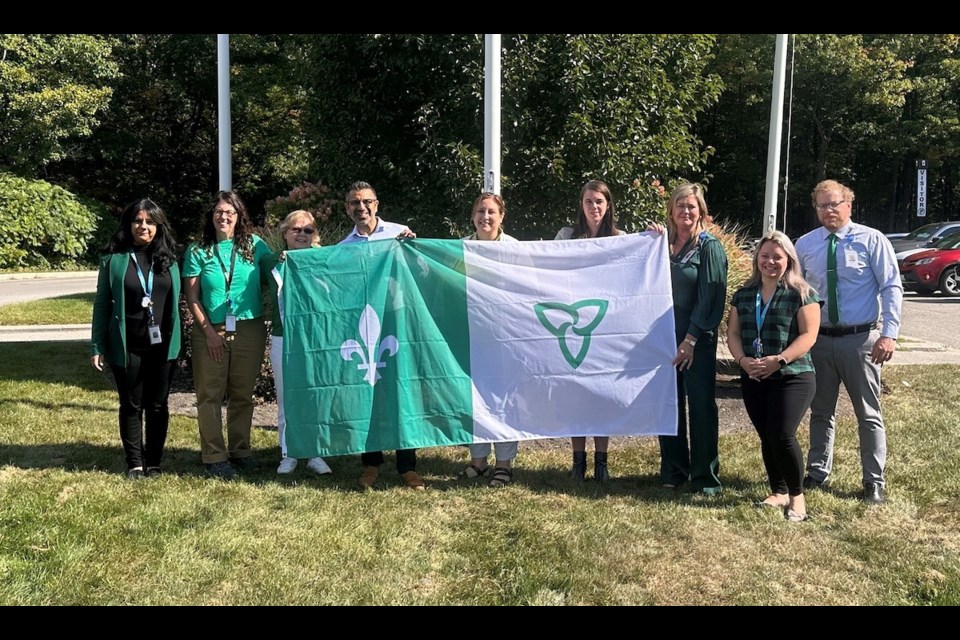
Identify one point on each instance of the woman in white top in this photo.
(597, 219)
(487, 218)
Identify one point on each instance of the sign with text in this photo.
(921, 188)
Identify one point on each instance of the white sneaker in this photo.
(318, 466)
(287, 465)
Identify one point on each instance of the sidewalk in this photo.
(48, 275)
(909, 350)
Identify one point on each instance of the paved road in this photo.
(932, 319)
(26, 287)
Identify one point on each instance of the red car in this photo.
(934, 269)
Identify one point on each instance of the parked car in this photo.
(934, 269)
(926, 235)
(943, 243)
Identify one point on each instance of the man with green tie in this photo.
(854, 269)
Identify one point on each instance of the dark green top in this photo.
(108, 336)
(267, 263)
(780, 326)
(699, 278)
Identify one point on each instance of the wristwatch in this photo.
(690, 342)
(782, 361)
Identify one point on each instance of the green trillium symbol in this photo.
(572, 323)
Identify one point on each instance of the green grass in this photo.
(74, 532)
(76, 308)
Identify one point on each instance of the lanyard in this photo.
(227, 276)
(686, 257)
(147, 286)
(761, 315)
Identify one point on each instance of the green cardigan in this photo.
(109, 335)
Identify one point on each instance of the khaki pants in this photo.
(233, 377)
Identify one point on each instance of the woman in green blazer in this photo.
(136, 329)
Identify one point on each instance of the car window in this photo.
(923, 232)
(950, 242)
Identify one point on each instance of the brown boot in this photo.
(369, 477)
(413, 480)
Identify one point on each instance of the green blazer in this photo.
(109, 335)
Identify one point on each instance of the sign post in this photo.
(921, 188)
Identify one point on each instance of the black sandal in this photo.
(473, 471)
(501, 477)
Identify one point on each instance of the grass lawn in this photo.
(76, 308)
(73, 531)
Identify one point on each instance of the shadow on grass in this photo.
(65, 363)
(440, 471)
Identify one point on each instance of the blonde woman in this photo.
(774, 319)
(299, 231)
(698, 274)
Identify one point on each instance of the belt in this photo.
(835, 332)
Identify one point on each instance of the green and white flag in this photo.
(419, 343)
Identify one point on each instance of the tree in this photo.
(405, 112)
(53, 91)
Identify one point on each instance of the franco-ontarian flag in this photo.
(418, 343)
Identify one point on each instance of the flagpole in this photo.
(491, 113)
(775, 136)
(223, 111)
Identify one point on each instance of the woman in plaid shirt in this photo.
(773, 323)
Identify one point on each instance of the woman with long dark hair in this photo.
(596, 219)
(222, 285)
(136, 329)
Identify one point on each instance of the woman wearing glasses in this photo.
(299, 231)
(698, 273)
(221, 276)
(774, 320)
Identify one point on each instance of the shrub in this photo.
(332, 223)
(42, 225)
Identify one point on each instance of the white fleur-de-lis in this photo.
(371, 359)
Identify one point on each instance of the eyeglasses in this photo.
(225, 213)
(357, 203)
(829, 206)
(304, 230)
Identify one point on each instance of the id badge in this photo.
(231, 323)
(758, 347)
(154, 332)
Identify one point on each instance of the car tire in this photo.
(950, 281)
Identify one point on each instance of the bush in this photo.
(42, 225)
(332, 222)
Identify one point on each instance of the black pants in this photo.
(144, 386)
(406, 459)
(776, 407)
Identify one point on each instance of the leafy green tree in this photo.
(42, 225)
(159, 135)
(53, 91)
(848, 95)
(405, 112)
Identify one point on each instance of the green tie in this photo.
(833, 309)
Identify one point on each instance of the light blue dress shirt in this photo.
(868, 279)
